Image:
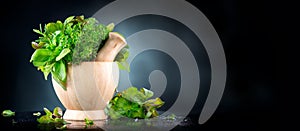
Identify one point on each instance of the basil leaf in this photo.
(46, 69)
(41, 56)
(134, 95)
(38, 32)
(48, 112)
(38, 64)
(148, 94)
(68, 20)
(59, 71)
(57, 112)
(50, 121)
(123, 66)
(35, 45)
(122, 57)
(62, 84)
(51, 27)
(8, 113)
(154, 103)
(62, 54)
(123, 54)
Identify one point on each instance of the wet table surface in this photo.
(26, 120)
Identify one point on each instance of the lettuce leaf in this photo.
(133, 103)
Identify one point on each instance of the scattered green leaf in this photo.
(122, 57)
(88, 122)
(133, 103)
(62, 54)
(8, 113)
(52, 120)
(57, 112)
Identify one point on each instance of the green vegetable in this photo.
(75, 40)
(122, 57)
(54, 47)
(8, 113)
(88, 122)
(91, 39)
(133, 103)
(51, 120)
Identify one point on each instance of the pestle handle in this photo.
(111, 48)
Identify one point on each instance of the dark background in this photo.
(248, 31)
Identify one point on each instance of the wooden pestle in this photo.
(111, 48)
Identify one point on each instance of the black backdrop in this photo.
(246, 29)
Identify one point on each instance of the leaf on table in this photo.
(8, 113)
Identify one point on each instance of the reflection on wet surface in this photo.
(25, 120)
(157, 123)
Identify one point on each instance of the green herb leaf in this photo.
(110, 27)
(8, 113)
(88, 122)
(61, 83)
(122, 57)
(133, 103)
(37, 45)
(123, 66)
(62, 54)
(152, 104)
(48, 112)
(46, 69)
(40, 57)
(60, 71)
(69, 19)
(51, 120)
(134, 95)
(38, 32)
(148, 94)
(57, 112)
(52, 27)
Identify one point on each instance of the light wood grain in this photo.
(90, 86)
(111, 48)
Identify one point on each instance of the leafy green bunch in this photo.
(51, 120)
(133, 103)
(75, 40)
(54, 120)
